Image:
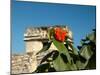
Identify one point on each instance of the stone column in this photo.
(33, 46)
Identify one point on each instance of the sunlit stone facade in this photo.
(34, 39)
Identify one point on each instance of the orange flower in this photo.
(60, 34)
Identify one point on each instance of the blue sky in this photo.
(79, 18)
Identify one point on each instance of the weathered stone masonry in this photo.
(34, 38)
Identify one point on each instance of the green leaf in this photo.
(74, 50)
(50, 33)
(81, 65)
(43, 67)
(69, 44)
(62, 49)
(51, 69)
(92, 62)
(46, 46)
(50, 56)
(71, 66)
(92, 37)
(79, 47)
(81, 42)
(61, 64)
(86, 52)
(79, 62)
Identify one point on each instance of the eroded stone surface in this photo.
(34, 38)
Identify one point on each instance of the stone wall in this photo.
(26, 63)
(20, 64)
(33, 38)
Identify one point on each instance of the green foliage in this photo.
(46, 46)
(64, 59)
(62, 49)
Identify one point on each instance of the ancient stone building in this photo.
(34, 39)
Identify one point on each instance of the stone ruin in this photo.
(34, 39)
